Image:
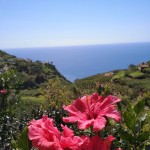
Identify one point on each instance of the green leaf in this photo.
(129, 105)
(24, 143)
(144, 136)
(139, 106)
(129, 120)
(125, 135)
(13, 144)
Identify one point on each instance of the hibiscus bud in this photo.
(4, 91)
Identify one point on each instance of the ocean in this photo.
(76, 62)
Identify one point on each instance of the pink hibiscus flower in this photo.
(43, 134)
(91, 111)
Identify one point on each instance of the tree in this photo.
(56, 92)
(133, 67)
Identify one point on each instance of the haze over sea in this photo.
(76, 62)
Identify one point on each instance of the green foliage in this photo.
(104, 91)
(129, 83)
(146, 97)
(132, 131)
(23, 142)
(56, 93)
(34, 74)
(90, 84)
(2, 53)
(10, 82)
(139, 107)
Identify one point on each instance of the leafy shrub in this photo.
(9, 88)
(133, 131)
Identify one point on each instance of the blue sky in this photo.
(44, 23)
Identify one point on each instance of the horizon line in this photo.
(76, 45)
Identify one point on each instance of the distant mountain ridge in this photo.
(32, 73)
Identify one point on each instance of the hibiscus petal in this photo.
(85, 124)
(67, 132)
(107, 142)
(111, 112)
(99, 123)
(71, 143)
(109, 101)
(70, 119)
(77, 106)
(96, 98)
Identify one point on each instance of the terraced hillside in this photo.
(131, 83)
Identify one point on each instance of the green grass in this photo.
(136, 74)
(38, 99)
(28, 103)
(33, 100)
(119, 74)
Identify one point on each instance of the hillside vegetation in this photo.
(131, 83)
(33, 74)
